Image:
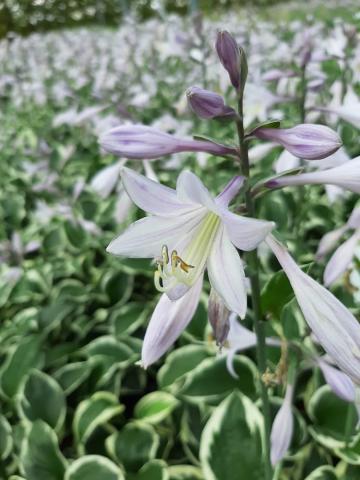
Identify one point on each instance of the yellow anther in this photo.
(165, 254)
(185, 267)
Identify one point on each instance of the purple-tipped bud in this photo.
(207, 104)
(142, 142)
(229, 55)
(218, 318)
(308, 141)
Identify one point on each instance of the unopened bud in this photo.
(207, 104)
(233, 58)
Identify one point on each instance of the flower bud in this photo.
(207, 104)
(307, 141)
(282, 428)
(142, 142)
(230, 56)
(218, 317)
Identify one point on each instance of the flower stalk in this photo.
(253, 264)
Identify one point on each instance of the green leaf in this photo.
(41, 458)
(93, 412)
(201, 383)
(110, 349)
(179, 362)
(19, 362)
(276, 293)
(43, 399)
(6, 441)
(328, 413)
(93, 467)
(134, 445)
(185, 472)
(128, 318)
(155, 407)
(71, 375)
(231, 444)
(323, 473)
(153, 470)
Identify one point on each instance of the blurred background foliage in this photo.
(26, 16)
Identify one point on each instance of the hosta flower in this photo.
(190, 231)
(346, 176)
(282, 428)
(207, 104)
(336, 329)
(140, 141)
(308, 141)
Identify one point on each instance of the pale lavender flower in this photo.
(346, 176)
(334, 326)
(282, 428)
(207, 104)
(188, 231)
(142, 142)
(307, 141)
(229, 55)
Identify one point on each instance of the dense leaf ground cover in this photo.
(75, 403)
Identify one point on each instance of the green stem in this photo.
(349, 423)
(253, 263)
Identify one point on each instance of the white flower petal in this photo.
(152, 197)
(146, 237)
(230, 191)
(226, 274)
(190, 189)
(168, 321)
(341, 259)
(245, 233)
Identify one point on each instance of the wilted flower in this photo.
(282, 429)
(307, 141)
(218, 317)
(187, 232)
(346, 176)
(208, 104)
(141, 142)
(336, 329)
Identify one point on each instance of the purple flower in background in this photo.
(334, 326)
(218, 315)
(346, 176)
(307, 141)
(276, 74)
(282, 428)
(189, 231)
(142, 142)
(229, 55)
(207, 104)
